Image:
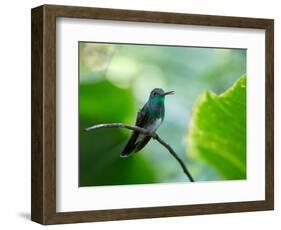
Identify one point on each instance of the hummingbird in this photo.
(149, 117)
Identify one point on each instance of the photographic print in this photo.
(194, 98)
(155, 105)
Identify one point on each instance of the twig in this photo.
(147, 133)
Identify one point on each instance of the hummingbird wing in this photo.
(131, 145)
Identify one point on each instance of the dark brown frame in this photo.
(43, 188)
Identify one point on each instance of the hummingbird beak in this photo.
(167, 93)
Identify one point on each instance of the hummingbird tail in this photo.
(124, 155)
(129, 148)
(133, 147)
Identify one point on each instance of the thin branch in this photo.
(147, 133)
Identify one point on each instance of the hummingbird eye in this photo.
(155, 94)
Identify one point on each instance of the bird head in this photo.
(159, 93)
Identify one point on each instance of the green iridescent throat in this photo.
(156, 106)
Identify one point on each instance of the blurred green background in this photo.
(115, 81)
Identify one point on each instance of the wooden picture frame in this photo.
(43, 202)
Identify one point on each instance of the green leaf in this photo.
(217, 133)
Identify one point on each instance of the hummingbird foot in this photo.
(153, 135)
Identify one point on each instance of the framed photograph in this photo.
(139, 114)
